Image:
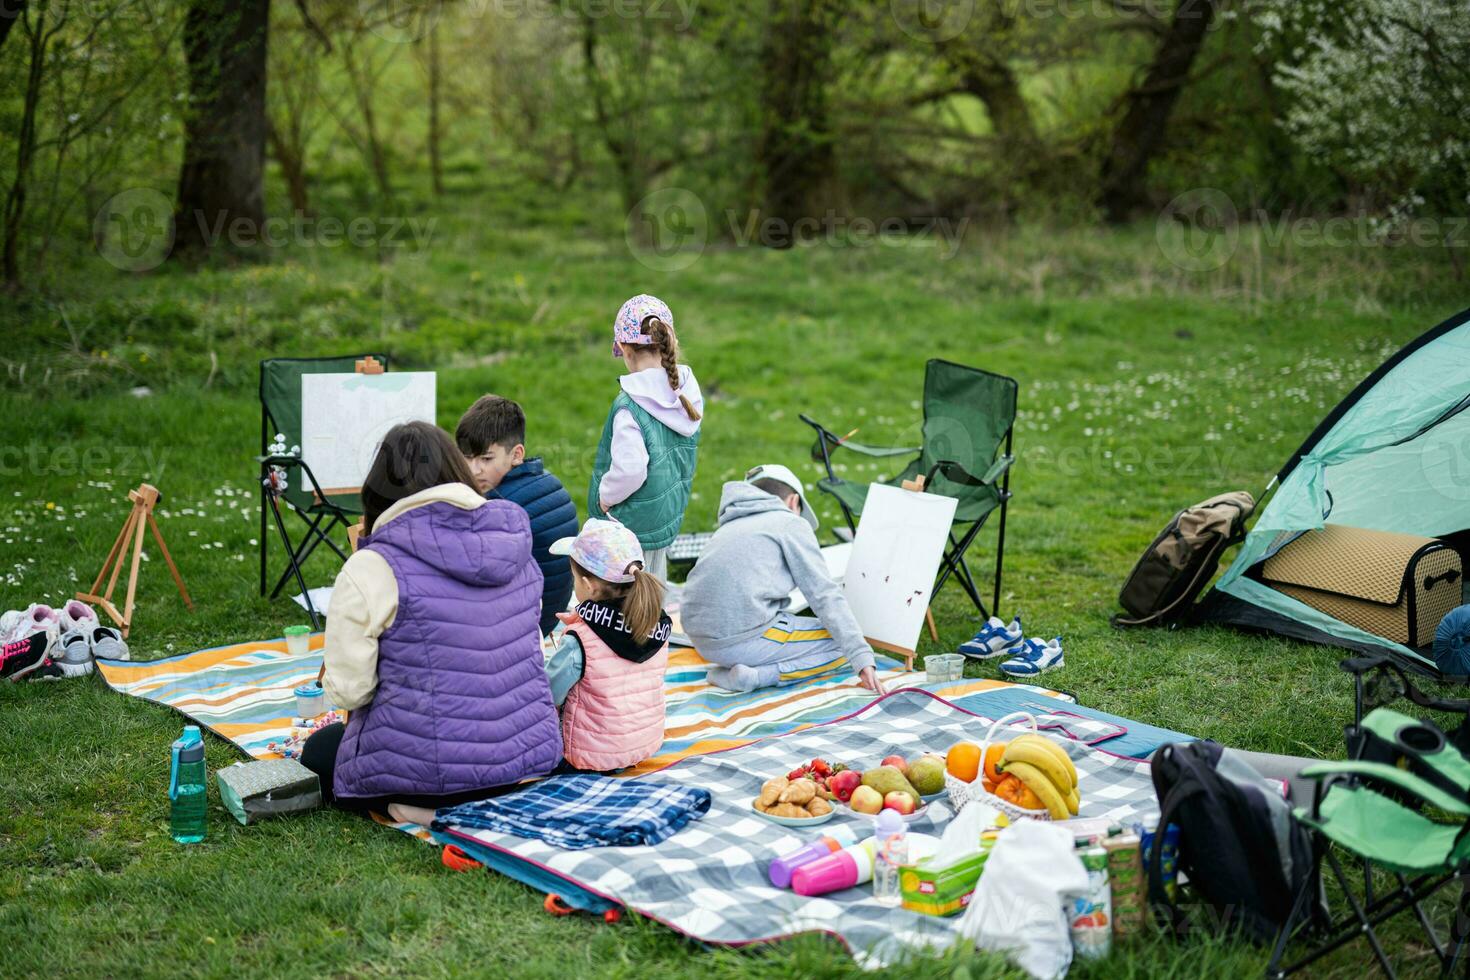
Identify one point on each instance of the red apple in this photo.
(842, 784)
(900, 801)
(898, 762)
(866, 799)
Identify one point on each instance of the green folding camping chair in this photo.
(969, 415)
(286, 477)
(1398, 804)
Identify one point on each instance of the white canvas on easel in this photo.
(895, 557)
(345, 416)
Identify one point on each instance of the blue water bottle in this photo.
(186, 783)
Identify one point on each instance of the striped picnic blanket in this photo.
(244, 693)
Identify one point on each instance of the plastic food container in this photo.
(311, 700)
(298, 640)
(940, 667)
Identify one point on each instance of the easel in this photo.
(916, 485)
(144, 499)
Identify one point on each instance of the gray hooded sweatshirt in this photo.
(760, 552)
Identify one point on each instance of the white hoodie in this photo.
(650, 389)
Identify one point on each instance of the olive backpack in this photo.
(1181, 560)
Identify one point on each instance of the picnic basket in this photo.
(961, 792)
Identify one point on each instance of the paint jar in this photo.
(298, 640)
(311, 700)
(942, 667)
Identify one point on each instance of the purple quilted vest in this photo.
(462, 701)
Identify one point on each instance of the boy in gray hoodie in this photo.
(735, 600)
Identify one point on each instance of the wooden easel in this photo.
(144, 498)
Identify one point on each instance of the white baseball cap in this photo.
(783, 475)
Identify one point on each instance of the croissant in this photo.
(772, 790)
(819, 807)
(800, 792)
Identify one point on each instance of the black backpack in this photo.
(1243, 854)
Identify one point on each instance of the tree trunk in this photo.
(795, 148)
(10, 11)
(15, 198)
(436, 164)
(362, 80)
(220, 182)
(995, 85)
(1140, 133)
(293, 168)
(620, 146)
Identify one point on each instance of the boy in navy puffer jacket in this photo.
(492, 435)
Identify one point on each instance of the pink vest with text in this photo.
(614, 716)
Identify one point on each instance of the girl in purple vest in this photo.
(608, 671)
(432, 642)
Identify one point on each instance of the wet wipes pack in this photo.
(253, 791)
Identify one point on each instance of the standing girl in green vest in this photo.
(650, 442)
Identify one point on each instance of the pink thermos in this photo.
(841, 869)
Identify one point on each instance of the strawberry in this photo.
(799, 773)
(820, 767)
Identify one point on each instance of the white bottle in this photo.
(891, 853)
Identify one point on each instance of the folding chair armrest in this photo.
(835, 441)
(1393, 776)
(997, 469)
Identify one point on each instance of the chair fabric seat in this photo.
(853, 494)
(1376, 828)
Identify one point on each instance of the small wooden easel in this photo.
(144, 498)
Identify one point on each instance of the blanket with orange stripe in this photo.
(244, 693)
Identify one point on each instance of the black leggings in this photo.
(319, 754)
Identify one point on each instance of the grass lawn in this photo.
(1143, 389)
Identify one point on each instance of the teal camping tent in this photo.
(1393, 456)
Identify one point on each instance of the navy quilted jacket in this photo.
(553, 516)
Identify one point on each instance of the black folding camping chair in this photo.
(969, 417)
(285, 477)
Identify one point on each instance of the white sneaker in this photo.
(37, 618)
(75, 659)
(108, 644)
(76, 616)
(9, 620)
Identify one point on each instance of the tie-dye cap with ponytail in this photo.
(606, 549)
(628, 327)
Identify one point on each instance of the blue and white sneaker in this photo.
(1035, 658)
(995, 639)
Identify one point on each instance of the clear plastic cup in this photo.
(298, 640)
(311, 701)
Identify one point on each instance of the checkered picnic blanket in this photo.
(576, 812)
(709, 881)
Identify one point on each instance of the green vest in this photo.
(656, 509)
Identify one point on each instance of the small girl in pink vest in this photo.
(608, 671)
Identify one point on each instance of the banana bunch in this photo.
(1046, 770)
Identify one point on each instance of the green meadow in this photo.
(1143, 388)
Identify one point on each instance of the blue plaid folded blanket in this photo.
(580, 811)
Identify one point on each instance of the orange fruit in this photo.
(1012, 790)
(993, 753)
(963, 761)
